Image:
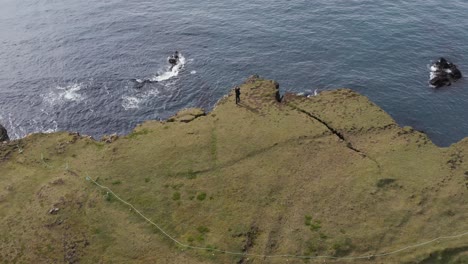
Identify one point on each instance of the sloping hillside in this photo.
(330, 175)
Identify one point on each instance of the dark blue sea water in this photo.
(66, 65)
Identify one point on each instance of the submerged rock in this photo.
(3, 134)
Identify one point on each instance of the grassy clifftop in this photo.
(328, 175)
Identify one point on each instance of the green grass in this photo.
(99, 145)
(201, 196)
(384, 182)
(314, 225)
(343, 247)
(136, 134)
(323, 236)
(213, 147)
(176, 196)
(203, 229)
(191, 174)
(267, 164)
(109, 197)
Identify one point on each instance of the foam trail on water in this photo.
(169, 73)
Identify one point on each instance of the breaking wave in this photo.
(60, 95)
(169, 73)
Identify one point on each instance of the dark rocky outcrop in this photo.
(443, 72)
(3, 134)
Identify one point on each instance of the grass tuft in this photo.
(201, 196)
(136, 134)
(314, 225)
(176, 196)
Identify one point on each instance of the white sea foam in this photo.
(193, 72)
(163, 77)
(170, 73)
(34, 126)
(130, 102)
(49, 130)
(309, 93)
(153, 92)
(60, 94)
(13, 133)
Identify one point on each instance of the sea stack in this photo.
(3, 134)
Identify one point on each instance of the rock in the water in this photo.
(3, 134)
(443, 72)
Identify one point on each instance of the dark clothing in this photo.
(237, 90)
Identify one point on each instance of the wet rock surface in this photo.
(3, 134)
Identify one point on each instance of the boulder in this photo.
(3, 134)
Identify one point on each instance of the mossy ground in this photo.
(328, 175)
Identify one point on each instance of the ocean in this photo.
(69, 65)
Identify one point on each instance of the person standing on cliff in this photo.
(237, 90)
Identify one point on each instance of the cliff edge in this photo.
(330, 177)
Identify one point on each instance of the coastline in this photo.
(330, 174)
(201, 112)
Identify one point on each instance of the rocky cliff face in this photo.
(3, 134)
(330, 175)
